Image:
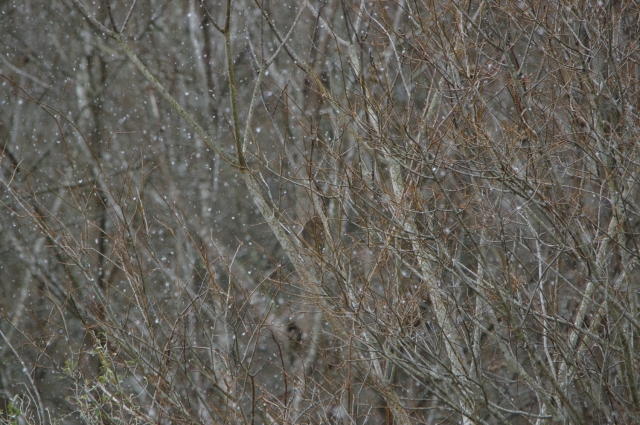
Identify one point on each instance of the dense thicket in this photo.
(329, 211)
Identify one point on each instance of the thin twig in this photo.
(126, 20)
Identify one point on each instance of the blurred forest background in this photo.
(319, 212)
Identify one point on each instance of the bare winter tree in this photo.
(329, 211)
